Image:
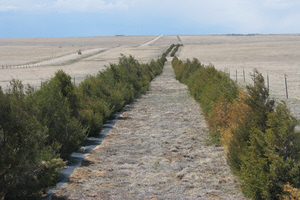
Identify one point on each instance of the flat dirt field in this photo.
(23, 53)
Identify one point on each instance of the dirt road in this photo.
(61, 59)
(157, 150)
(152, 41)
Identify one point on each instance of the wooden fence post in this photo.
(286, 87)
(268, 81)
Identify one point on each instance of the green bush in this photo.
(206, 84)
(96, 103)
(265, 150)
(57, 104)
(119, 84)
(169, 49)
(38, 128)
(258, 99)
(263, 147)
(271, 159)
(27, 166)
(175, 50)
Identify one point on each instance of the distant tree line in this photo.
(39, 129)
(261, 142)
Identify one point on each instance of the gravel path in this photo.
(157, 150)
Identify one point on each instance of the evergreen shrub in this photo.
(261, 142)
(27, 165)
(41, 128)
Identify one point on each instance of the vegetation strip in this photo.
(262, 145)
(175, 50)
(39, 129)
(158, 149)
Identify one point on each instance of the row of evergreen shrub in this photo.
(169, 49)
(39, 129)
(259, 135)
(175, 50)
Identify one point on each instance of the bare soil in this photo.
(157, 150)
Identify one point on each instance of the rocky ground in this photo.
(159, 149)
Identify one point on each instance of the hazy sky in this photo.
(71, 18)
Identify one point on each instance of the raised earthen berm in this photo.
(159, 149)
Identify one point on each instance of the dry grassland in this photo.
(24, 51)
(275, 55)
(272, 54)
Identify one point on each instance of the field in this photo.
(23, 52)
(157, 114)
(275, 55)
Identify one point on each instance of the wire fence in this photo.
(281, 85)
(36, 83)
(20, 66)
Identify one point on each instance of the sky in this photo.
(85, 18)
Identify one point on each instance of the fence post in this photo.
(74, 80)
(286, 87)
(236, 78)
(268, 83)
(244, 75)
